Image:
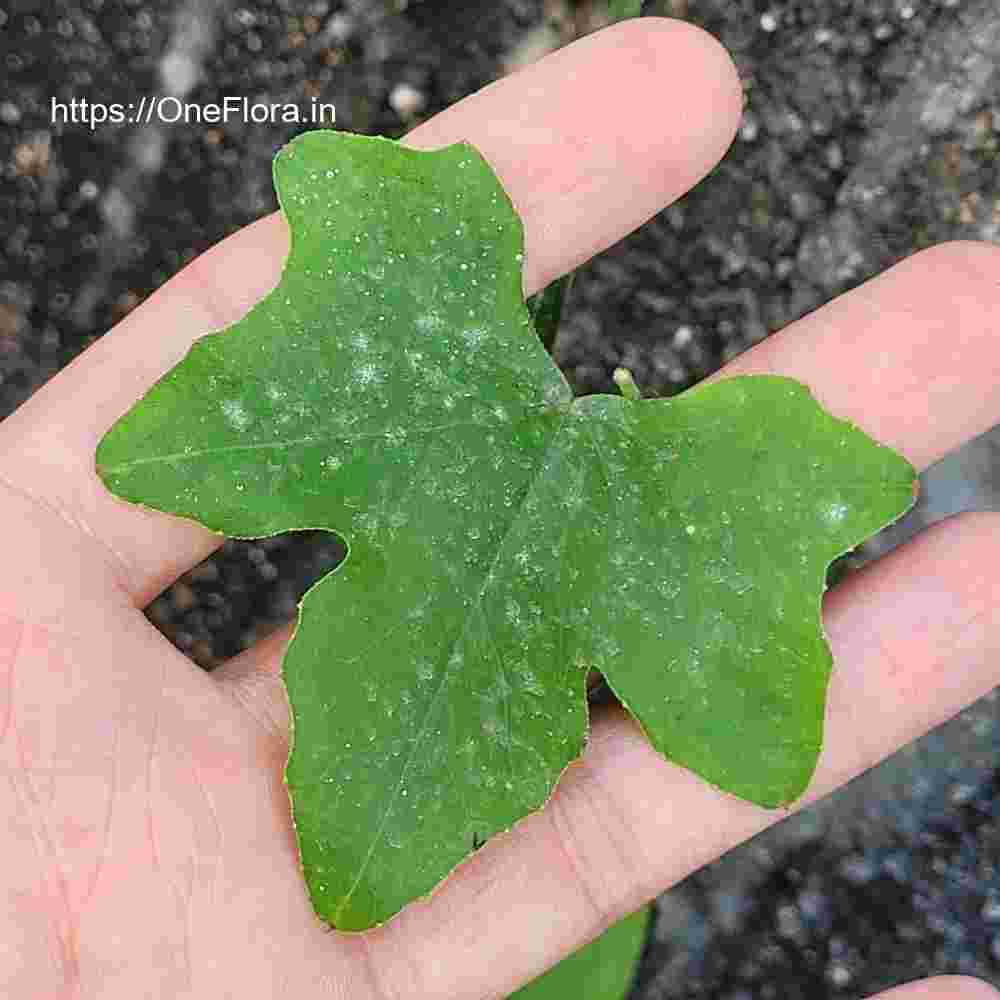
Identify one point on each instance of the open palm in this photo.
(148, 848)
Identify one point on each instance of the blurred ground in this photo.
(872, 129)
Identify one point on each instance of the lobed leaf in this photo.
(503, 538)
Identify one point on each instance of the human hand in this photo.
(148, 850)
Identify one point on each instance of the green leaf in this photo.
(546, 308)
(603, 970)
(621, 9)
(503, 538)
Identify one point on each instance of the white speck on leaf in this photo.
(235, 414)
(429, 322)
(367, 374)
(836, 512)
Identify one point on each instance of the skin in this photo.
(147, 844)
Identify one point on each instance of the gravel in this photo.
(871, 130)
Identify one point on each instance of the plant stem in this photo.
(626, 384)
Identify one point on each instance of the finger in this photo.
(912, 356)
(571, 140)
(915, 638)
(943, 988)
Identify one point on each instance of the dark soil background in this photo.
(872, 129)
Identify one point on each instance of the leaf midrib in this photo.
(567, 412)
(190, 455)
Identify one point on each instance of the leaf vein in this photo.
(446, 678)
(291, 443)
